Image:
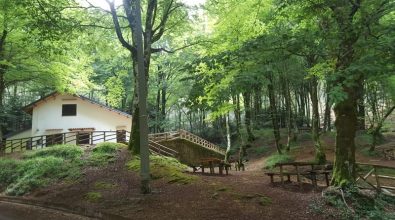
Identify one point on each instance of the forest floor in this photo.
(240, 195)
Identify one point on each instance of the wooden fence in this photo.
(375, 177)
(78, 138)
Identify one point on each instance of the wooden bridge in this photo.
(183, 145)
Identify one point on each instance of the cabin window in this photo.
(69, 110)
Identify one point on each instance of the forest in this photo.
(224, 70)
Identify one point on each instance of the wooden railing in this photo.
(78, 138)
(182, 134)
(375, 179)
(156, 148)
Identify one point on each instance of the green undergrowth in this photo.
(101, 185)
(260, 151)
(104, 153)
(164, 167)
(368, 153)
(360, 206)
(67, 152)
(40, 168)
(272, 160)
(93, 197)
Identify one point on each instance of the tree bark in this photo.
(273, 113)
(228, 143)
(344, 169)
(247, 120)
(327, 114)
(288, 109)
(361, 107)
(319, 151)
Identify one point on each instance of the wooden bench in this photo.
(211, 163)
(311, 173)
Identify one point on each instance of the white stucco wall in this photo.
(48, 115)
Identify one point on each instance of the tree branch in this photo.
(117, 27)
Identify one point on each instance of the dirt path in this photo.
(11, 211)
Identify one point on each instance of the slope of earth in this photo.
(241, 195)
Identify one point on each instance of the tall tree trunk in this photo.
(273, 113)
(247, 120)
(327, 114)
(228, 143)
(346, 122)
(163, 104)
(2, 119)
(157, 114)
(319, 151)
(288, 109)
(361, 107)
(344, 169)
(236, 102)
(3, 69)
(134, 140)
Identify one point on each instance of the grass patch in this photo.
(67, 152)
(259, 198)
(93, 196)
(40, 168)
(164, 167)
(104, 185)
(104, 153)
(271, 161)
(264, 201)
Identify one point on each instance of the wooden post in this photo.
(21, 145)
(327, 178)
(104, 136)
(376, 175)
(281, 174)
(298, 176)
(12, 146)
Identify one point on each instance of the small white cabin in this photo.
(59, 117)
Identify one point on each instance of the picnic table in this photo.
(301, 169)
(211, 163)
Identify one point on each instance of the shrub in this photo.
(271, 161)
(164, 167)
(68, 152)
(40, 168)
(38, 172)
(8, 172)
(108, 147)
